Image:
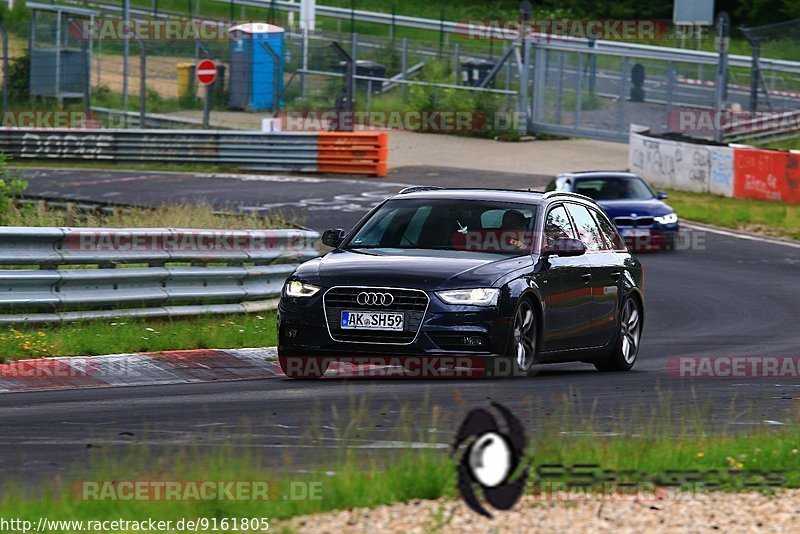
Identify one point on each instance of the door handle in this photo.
(616, 275)
(587, 277)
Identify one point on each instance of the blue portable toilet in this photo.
(253, 72)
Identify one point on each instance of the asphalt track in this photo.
(312, 201)
(726, 296)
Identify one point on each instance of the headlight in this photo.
(295, 288)
(670, 218)
(473, 297)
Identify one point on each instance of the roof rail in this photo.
(418, 188)
(552, 194)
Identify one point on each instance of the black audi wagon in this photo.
(509, 278)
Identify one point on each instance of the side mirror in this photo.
(566, 248)
(661, 195)
(333, 237)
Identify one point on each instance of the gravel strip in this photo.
(726, 512)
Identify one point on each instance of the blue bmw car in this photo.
(642, 217)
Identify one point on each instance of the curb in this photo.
(142, 369)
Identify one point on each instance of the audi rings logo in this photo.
(374, 299)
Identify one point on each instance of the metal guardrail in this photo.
(143, 272)
(327, 152)
(130, 119)
(286, 152)
(766, 128)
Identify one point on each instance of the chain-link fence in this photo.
(587, 89)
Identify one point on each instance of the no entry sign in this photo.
(206, 72)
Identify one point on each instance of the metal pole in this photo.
(142, 85)
(5, 69)
(623, 89)
(305, 62)
(670, 85)
(394, 21)
(523, 84)
(276, 73)
(492, 17)
(456, 64)
(441, 32)
(99, 60)
(755, 68)
(404, 57)
(126, 18)
(207, 107)
(87, 77)
(349, 89)
(353, 22)
(720, 95)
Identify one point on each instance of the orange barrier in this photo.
(766, 175)
(353, 153)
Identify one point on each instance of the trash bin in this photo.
(638, 76)
(186, 82)
(365, 67)
(474, 71)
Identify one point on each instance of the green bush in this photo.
(19, 77)
(10, 188)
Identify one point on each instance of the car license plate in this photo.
(372, 321)
(635, 233)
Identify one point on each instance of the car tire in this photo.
(304, 371)
(629, 335)
(522, 347)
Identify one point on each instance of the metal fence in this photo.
(69, 274)
(297, 151)
(572, 87)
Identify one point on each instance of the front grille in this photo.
(411, 302)
(634, 222)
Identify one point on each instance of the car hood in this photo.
(420, 269)
(642, 208)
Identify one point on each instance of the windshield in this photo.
(447, 224)
(614, 188)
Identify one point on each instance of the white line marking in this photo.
(749, 237)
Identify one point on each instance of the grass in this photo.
(125, 335)
(135, 335)
(768, 218)
(349, 479)
(176, 216)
